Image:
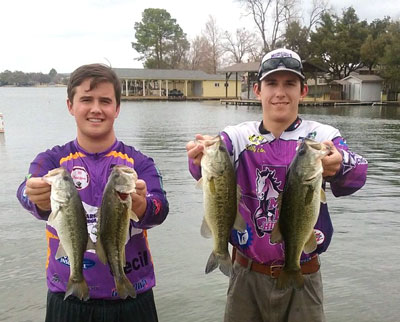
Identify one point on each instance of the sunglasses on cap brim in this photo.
(288, 62)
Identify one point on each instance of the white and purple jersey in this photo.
(261, 162)
(90, 172)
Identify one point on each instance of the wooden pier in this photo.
(249, 102)
(246, 102)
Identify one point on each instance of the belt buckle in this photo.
(275, 269)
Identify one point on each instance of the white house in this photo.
(363, 88)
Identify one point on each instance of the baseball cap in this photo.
(281, 59)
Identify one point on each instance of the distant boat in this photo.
(1, 123)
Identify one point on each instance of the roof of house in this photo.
(165, 74)
(241, 68)
(254, 66)
(364, 78)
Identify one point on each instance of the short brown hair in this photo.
(98, 73)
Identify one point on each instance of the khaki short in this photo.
(253, 297)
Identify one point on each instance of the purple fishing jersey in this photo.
(90, 172)
(261, 162)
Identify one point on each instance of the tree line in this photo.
(338, 43)
(18, 78)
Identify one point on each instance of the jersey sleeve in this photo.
(352, 174)
(40, 166)
(157, 203)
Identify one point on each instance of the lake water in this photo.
(361, 270)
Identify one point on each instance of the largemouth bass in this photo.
(299, 206)
(220, 198)
(68, 217)
(113, 225)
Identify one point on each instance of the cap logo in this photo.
(281, 54)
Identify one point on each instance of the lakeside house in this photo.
(236, 81)
(166, 83)
(361, 87)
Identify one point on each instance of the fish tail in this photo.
(124, 287)
(290, 278)
(224, 263)
(78, 289)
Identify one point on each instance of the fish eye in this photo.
(301, 150)
(65, 178)
(221, 148)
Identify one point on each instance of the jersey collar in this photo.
(291, 127)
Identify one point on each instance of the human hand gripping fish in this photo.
(195, 149)
(332, 161)
(38, 192)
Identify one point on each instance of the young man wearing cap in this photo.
(261, 152)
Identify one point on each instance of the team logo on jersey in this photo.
(319, 235)
(243, 238)
(265, 216)
(80, 177)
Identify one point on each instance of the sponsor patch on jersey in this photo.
(243, 238)
(80, 177)
(319, 236)
(87, 263)
(156, 206)
(140, 284)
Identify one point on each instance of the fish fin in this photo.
(60, 251)
(90, 244)
(199, 184)
(205, 230)
(78, 289)
(224, 263)
(240, 223)
(101, 254)
(125, 287)
(238, 194)
(133, 216)
(276, 236)
(323, 196)
(123, 258)
(311, 244)
(279, 202)
(53, 216)
(287, 279)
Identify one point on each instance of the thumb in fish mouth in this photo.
(123, 195)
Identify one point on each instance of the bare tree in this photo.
(318, 8)
(238, 46)
(213, 35)
(199, 54)
(258, 10)
(284, 12)
(275, 13)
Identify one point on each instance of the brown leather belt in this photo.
(309, 267)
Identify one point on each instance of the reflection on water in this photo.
(360, 269)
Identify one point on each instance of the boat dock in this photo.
(253, 102)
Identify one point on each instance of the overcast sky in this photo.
(43, 34)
